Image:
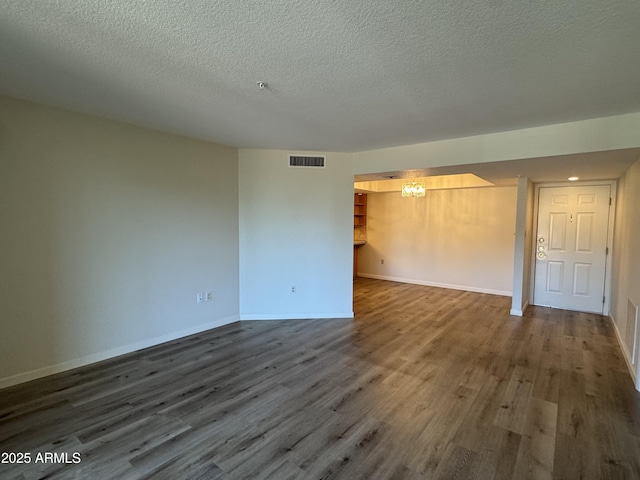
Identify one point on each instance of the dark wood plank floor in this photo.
(425, 383)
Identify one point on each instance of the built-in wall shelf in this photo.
(359, 226)
(359, 209)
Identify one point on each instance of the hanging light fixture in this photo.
(413, 189)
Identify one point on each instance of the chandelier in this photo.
(413, 189)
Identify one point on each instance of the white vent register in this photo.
(303, 161)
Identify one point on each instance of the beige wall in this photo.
(295, 230)
(459, 238)
(626, 256)
(107, 232)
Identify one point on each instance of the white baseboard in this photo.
(98, 357)
(519, 312)
(296, 316)
(466, 288)
(625, 354)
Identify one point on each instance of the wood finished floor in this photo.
(425, 383)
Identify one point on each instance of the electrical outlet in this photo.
(293, 289)
(199, 297)
(382, 261)
(209, 296)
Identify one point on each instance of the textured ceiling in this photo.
(343, 76)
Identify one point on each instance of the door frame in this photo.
(613, 184)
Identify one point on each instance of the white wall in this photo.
(295, 229)
(626, 258)
(522, 247)
(459, 238)
(107, 231)
(597, 135)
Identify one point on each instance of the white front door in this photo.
(571, 247)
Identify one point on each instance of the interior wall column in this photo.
(522, 248)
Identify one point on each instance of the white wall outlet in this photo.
(209, 296)
(199, 297)
(293, 289)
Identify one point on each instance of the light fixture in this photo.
(413, 189)
(263, 85)
(573, 179)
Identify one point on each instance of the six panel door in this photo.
(571, 247)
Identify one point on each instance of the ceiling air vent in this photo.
(307, 162)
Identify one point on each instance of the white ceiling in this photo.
(343, 76)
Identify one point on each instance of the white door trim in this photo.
(612, 215)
